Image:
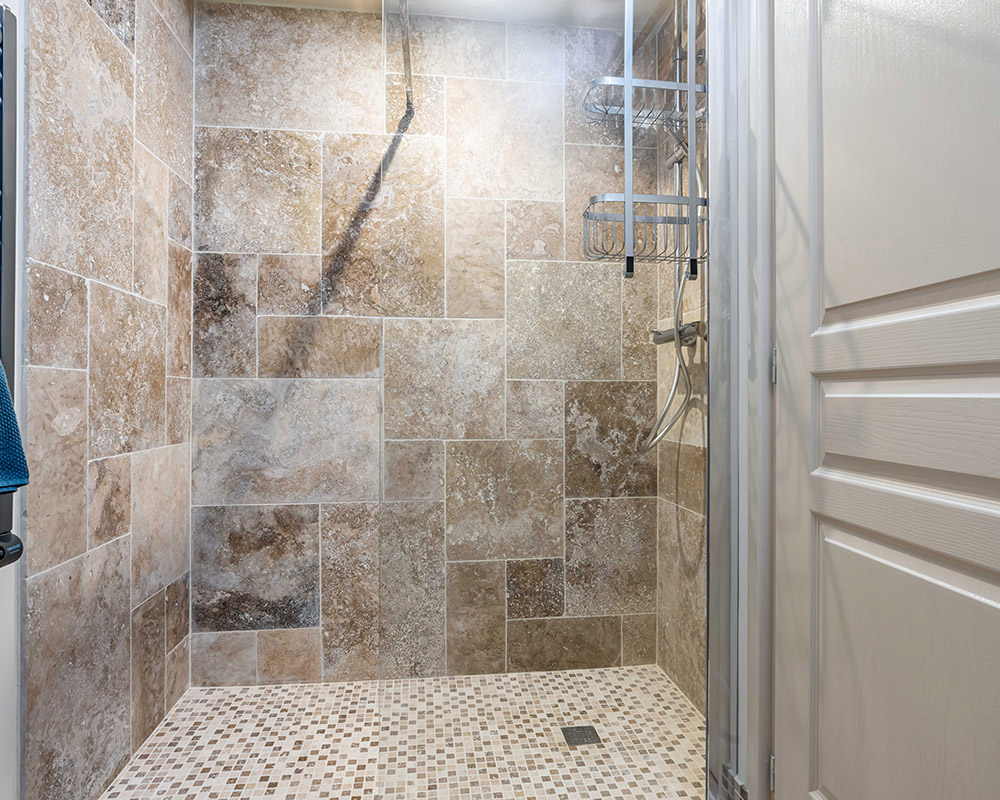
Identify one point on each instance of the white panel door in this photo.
(887, 450)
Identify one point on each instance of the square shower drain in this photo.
(581, 734)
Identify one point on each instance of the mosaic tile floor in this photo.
(489, 737)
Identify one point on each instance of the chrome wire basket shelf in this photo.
(654, 104)
(660, 223)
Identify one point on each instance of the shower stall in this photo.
(382, 467)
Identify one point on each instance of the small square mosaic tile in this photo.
(484, 737)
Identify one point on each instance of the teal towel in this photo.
(13, 467)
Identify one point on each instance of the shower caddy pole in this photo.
(627, 114)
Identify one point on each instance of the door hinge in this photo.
(774, 365)
(770, 774)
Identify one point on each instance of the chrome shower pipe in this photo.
(404, 16)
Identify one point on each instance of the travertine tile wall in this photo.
(416, 409)
(108, 383)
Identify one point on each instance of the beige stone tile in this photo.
(504, 499)
(444, 379)
(80, 164)
(288, 284)
(535, 410)
(474, 243)
(161, 522)
(177, 599)
(535, 588)
(412, 590)
(180, 207)
(152, 188)
(590, 53)
(148, 668)
(178, 673)
(682, 474)
(164, 89)
(289, 656)
(257, 191)
(563, 643)
(179, 16)
(109, 498)
(563, 320)
(428, 105)
(611, 556)
(535, 53)
(285, 441)
(606, 423)
(119, 15)
(179, 310)
(638, 319)
(319, 347)
(504, 140)
(57, 318)
(127, 372)
(225, 316)
(477, 617)
(383, 231)
(56, 449)
(178, 410)
(268, 67)
(638, 639)
(77, 675)
(255, 567)
(414, 470)
(535, 230)
(224, 659)
(350, 581)
(682, 600)
(448, 46)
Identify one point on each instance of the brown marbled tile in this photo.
(476, 618)
(179, 308)
(77, 675)
(179, 16)
(448, 46)
(611, 556)
(152, 188)
(638, 639)
(590, 53)
(254, 567)
(257, 191)
(161, 524)
(178, 673)
(474, 243)
(504, 499)
(80, 164)
(148, 668)
(606, 424)
(414, 470)
(535, 230)
(56, 450)
(563, 643)
(57, 318)
(444, 379)
(180, 207)
(412, 590)
(177, 599)
(285, 441)
(119, 15)
(638, 319)
(319, 347)
(563, 320)
(428, 105)
(178, 410)
(350, 581)
(682, 600)
(164, 90)
(682, 474)
(273, 67)
(288, 284)
(127, 372)
(535, 410)
(535, 588)
(228, 658)
(535, 53)
(289, 656)
(225, 316)
(504, 139)
(383, 230)
(109, 498)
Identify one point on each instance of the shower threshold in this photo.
(459, 737)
